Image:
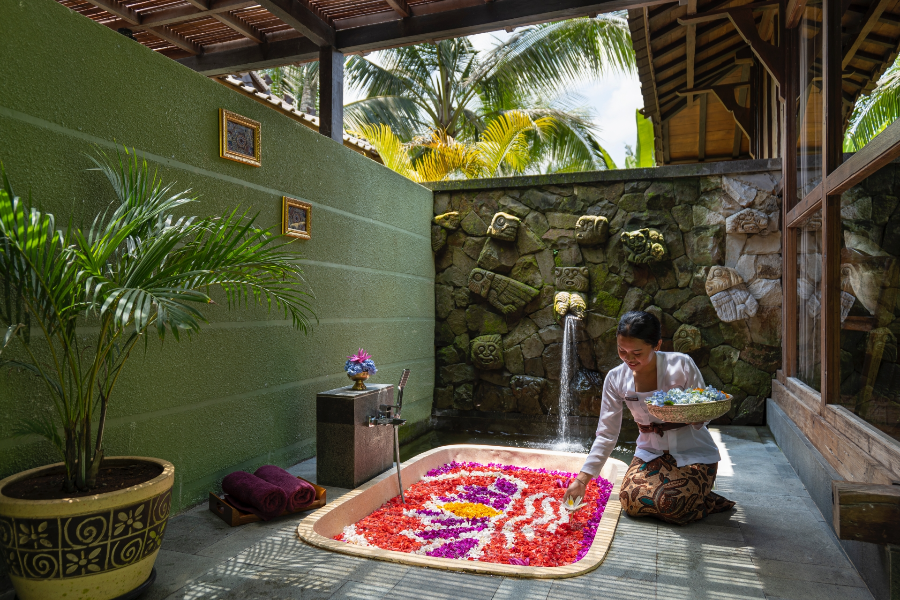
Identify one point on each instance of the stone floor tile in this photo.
(699, 529)
(738, 432)
(792, 589)
(285, 551)
(193, 531)
(354, 590)
(444, 585)
(523, 589)
(774, 502)
(578, 588)
(794, 536)
(174, 570)
(842, 576)
(245, 537)
(718, 573)
(259, 584)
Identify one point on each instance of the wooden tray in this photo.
(234, 517)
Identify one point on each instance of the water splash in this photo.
(566, 376)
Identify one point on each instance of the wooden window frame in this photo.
(837, 177)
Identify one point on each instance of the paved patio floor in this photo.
(774, 545)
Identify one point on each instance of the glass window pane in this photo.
(809, 300)
(809, 102)
(870, 278)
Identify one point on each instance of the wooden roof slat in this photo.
(301, 17)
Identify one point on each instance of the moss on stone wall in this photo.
(688, 207)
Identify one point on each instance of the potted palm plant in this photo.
(93, 524)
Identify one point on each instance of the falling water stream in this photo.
(566, 376)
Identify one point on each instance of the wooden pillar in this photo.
(331, 93)
(832, 152)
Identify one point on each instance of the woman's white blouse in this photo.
(687, 445)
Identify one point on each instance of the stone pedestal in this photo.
(348, 451)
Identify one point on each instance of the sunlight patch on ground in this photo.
(726, 467)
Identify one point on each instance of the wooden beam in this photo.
(741, 99)
(301, 17)
(331, 93)
(133, 18)
(181, 14)
(401, 7)
(701, 139)
(866, 512)
(241, 26)
(470, 19)
(724, 13)
(690, 49)
(794, 13)
(247, 56)
(869, 21)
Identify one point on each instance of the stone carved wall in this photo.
(556, 250)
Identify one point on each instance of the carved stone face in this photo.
(687, 339)
(480, 281)
(721, 279)
(487, 352)
(644, 246)
(590, 230)
(504, 227)
(448, 220)
(748, 221)
(561, 304)
(572, 279)
(525, 387)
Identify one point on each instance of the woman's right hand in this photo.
(576, 489)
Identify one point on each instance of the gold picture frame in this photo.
(296, 218)
(239, 138)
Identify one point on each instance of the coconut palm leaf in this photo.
(645, 141)
(873, 113)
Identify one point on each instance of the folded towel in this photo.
(249, 493)
(299, 493)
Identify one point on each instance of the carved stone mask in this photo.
(504, 227)
(687, 339)
(721, 279)
(590, 230)
(480, 281)
(572, 279)
(644, 246)
(487, 352)
(748, 221)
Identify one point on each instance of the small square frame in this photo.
(286, 229)
(226, 116)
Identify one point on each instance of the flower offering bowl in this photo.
(359, 381)
(690, 413)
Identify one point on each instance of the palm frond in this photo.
(873, 113)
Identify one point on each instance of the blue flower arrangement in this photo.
(359, 362)
(693, 396)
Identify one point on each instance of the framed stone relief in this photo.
(295, 218)
(239, 138)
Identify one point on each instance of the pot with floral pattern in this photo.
(95, 547)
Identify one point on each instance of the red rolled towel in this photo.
(249, 493)
(299, 493)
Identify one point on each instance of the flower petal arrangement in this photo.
(677, 396)
(487, 512)
(359, 362)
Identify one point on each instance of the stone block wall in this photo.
(716, 289)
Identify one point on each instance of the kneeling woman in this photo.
(674, 467)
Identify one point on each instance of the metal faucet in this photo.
(389, 414)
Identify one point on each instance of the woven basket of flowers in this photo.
(689, 406)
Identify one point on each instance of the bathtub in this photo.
(321, 526)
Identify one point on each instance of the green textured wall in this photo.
(242, 393)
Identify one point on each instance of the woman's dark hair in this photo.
(641, 325)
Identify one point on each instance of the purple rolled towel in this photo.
(249, 493)
(299, 493)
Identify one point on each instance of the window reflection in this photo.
(809, 300)
(870, 373)
(809, 103)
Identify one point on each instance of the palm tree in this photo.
(873, 113)
(508, 145)
(137, 269)
(451, 88)
(297, 82)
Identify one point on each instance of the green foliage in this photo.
(873, 113)
(643, 155)
(300, 81)
(450, 90)
(507, 146)
(137, 268)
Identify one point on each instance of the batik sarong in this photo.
(662, 489)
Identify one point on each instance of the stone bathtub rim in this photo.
(613, 470)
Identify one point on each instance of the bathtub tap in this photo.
(389, 414)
